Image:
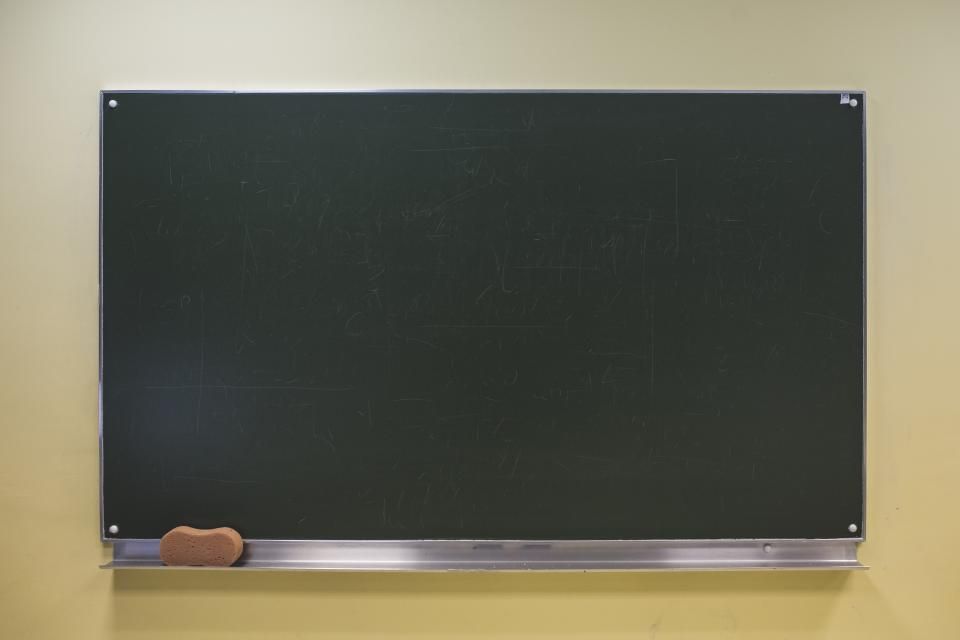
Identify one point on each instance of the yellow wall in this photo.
(54, 56)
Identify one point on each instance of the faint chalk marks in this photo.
(246, 340)
(516, 463)
(580, 274)
(326, 439)
(609, 305)
(719, 290)
(491, 326)
(653, 359)
(614, 375)
(676, 197)
(676, 204)
(455, 199)
(820, 223)
(244, 387)
(473, 148)
(473, 170)
(580, 268)
(426, 343)
(482, 293)
(502, 268)
(528, 120)
(446, 112)
(202, 361)
(456, 417)
(246, 246)
(824, 316)
(347, 329)
(426, 494)
(480, 129)
(212, 479)
(813, 190)
(611, 244)
(289, 273)
(594, 459)
(763, 252)
(657, 161)
(610, 354)
(605, 378)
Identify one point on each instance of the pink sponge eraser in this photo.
(186, 546)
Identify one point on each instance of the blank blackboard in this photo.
(475, 315)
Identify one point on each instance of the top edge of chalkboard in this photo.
(493, 90)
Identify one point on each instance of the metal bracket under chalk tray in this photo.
(517, 555)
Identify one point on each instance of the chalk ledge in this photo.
(515, 555)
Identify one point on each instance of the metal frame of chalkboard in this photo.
(504, 555)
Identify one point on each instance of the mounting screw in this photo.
(852, 528)
(767, 548)
(112, 103)
(853, 102)
(113, 529)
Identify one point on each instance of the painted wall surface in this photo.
(55, 56)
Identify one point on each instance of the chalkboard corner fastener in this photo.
(847, 100)
(852, 528)
(113, 529)
(112, 103)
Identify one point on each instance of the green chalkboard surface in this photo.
(471, 315)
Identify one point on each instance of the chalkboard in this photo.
(476, 315)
